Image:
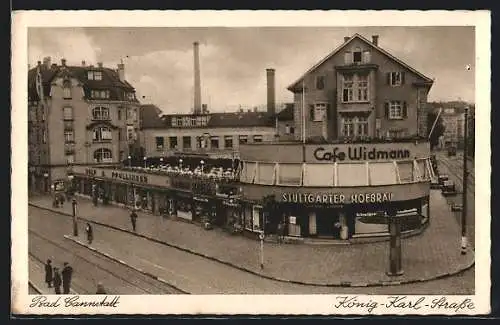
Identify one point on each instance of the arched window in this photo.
(103, 155)
(100, 113)
(67, 89)
(102, 133)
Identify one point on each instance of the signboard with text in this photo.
(124, 176)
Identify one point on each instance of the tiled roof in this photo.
(110, 80)
(286, 114)
(357, 36)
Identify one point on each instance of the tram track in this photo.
(452, 170)
(91, 267)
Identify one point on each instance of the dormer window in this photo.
(94, 75)
(102, 94)
(357, 55)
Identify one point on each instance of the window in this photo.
(102, 134)
(319, 112)
(228, 141)
(94, 75)
(159, 143)
(172, 142)
(130, 96)
(395, 78)
(348, 57)
(290, 174)
(186, 143)
(69, 136)
(362, 86)
(214, 142)
(320, 82)
(292, 130)
(131, 114)
(396, 110)
(130, 133)
(174, 121)
(102, 94)
(366, 57)
(67, 89)
(356, 55)
(243, 139)
(347, 91)
(257, 138)
(100, 113)
(102, 155)
(70, 159)
(362, 126)
(119, 114)
(68, 113)
(347, 126)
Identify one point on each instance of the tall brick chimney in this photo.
(121, 71)
(271, 100)
(197, 82)
(375, 40)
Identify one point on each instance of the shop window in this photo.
(290, 174)
(248, 218)
(265, 174)
(319, 175)
(352, 174)
(293, 227)
(405, 171)
(172, 142)
(228, 141)
(159, 143)
(248, 172)
(362, 228)
(382, 173)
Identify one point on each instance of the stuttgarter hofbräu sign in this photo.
(359, 153)
(336, 198)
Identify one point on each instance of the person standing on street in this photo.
(67, 273)
(90, 233)
(57, 281)
(133, 219)
(48, 273)
(100, 289)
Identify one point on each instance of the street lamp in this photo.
(464, 186)
(75, 221)
(180, 163)
(202, 165)
(129, 161)
(161, 161)
(145, 162)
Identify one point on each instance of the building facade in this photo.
(453, 120)
(360, 90)
(77, 115)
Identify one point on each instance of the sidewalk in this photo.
(37, 278)
(433, 254)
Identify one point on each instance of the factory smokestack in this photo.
(271, 101)
(197, 85)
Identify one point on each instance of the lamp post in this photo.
(145, 162)
(161, 161)
(180, 163)
(202, 165)
(395, 265)
(75, 221)
(464, 186)
(129, 161)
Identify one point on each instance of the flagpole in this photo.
(303, 113)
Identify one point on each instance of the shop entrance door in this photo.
(325, 223)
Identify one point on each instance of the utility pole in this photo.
(464, 185)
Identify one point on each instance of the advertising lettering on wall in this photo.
(129, 177)
(358, 153)
(336, 198)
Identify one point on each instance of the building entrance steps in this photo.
(433, 254)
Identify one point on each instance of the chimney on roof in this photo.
(121, 71)
(99, 64)
(346, 38)
(63, 62)
(197, 82)
(271, 100)
(375, 40)
(46, 62)
(83, 63)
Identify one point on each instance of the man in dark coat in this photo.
(67, 273)
(90, 233)
(100, 289)
(48, 273)
(57, 281)
(133, 219)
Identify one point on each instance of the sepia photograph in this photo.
(189, 165)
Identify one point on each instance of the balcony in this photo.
(355, 67)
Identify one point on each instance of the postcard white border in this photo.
(242, 304)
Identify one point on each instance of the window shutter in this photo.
(388, 75)
(311, 112)
(386, 108)
(405, 110)
(402, 77)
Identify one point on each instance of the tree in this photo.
(438, 129)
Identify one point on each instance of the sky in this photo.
(159, 60)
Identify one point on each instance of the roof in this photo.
(358, 36)
(152, 119)
(286, 114)
(150, 116)
(110, 80)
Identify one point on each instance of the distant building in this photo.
(77, 115)
(453, 122)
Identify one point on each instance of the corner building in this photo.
(359, 148)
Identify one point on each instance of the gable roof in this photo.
(358, 36)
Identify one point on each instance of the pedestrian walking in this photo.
(57, 281)
(281, 230)
(48, 273)
(90, 233)
(133, 219)
(67, 273)
(100, 289)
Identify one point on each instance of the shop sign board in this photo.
(124, 176)
(336, 198)
(382, 218)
